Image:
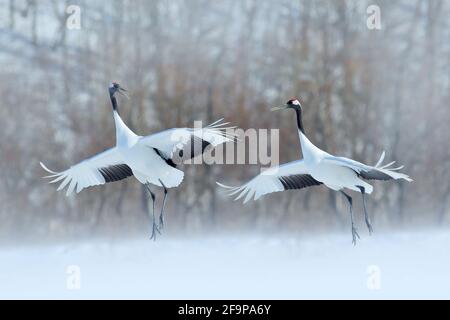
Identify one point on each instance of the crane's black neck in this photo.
(115, 105)
(298, 111)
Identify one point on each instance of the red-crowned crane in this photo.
(152, 160)
(318, 167)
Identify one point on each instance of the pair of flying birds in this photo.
(153, 160)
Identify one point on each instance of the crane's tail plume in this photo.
(221, 128)
(386, 166)
(377, 172)
(391, 171)
(380, 161)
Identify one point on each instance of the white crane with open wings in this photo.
(318, 167)
(151, 160)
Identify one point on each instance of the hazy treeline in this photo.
(364, 91)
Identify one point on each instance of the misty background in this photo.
(363, 91)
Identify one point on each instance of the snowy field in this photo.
(402, 265)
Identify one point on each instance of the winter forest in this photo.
(363, 90)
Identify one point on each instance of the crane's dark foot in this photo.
(155, 231)
(161, 222)
(369, 226)
(366, 215)
(354, 235)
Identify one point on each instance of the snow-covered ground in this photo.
(402, 265)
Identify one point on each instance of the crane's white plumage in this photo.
(151, 159)
(172, 141)
(86, 173)
(268, 181)
(335, 172)
(317, 167)
(140, 154)
(377, 172)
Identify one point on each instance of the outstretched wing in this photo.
(180, 144)
(377, 172)
(290, 176)
(105, 167)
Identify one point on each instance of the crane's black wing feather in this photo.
(298, 181)
(194, 147)
(116, 172)
(374, 175)
(166, 159)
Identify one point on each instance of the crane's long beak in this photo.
(278, 108)
(124, 92)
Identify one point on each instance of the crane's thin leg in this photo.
(161, 216)
(154, 227)
(366, 215)
(354, 232)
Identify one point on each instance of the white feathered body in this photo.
(149, 167)
(147, 158)
(317, 167)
